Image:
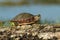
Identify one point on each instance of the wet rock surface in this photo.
(27, 32)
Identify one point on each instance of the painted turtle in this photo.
(25, 18)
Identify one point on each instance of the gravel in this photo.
(26, 32)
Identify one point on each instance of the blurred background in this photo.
(48, 9)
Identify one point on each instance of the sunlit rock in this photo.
(13, 35)
(34, 33)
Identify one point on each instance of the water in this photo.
(51, 12)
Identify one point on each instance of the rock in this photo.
(28, 33)
(34, 33)
(12, 35)
(21, 35)
(18, 27)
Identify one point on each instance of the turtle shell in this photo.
(24, 18)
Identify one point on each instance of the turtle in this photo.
(25, 18)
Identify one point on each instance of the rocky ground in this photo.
(28, 32)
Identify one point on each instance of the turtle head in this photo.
(37, 17)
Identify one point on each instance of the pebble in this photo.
(34, 33)
(12, 35)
